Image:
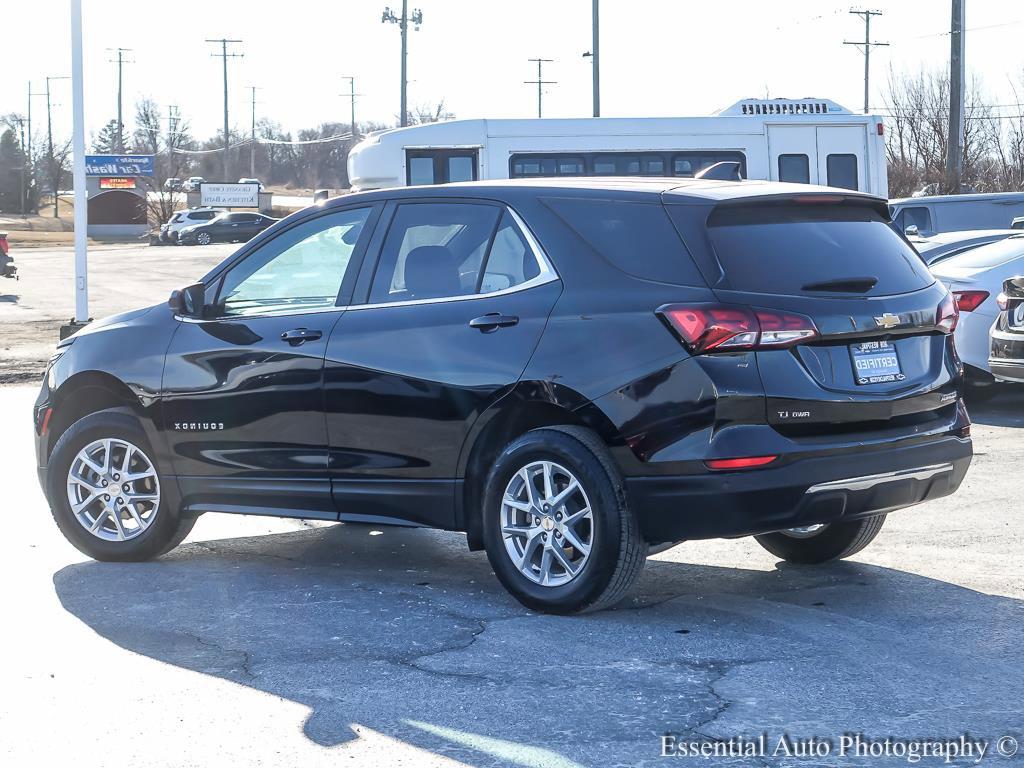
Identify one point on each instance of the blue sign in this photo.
(118, 165)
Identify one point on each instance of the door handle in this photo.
(492, 321)
(298, 336)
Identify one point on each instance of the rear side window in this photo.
(841, 171)
(781, 248)
(637, 238)
(795, 168)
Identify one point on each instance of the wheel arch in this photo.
(88, 392)
(529, 406)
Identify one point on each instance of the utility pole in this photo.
(352, 102)
(54, 174)
(224, 57)
(403, 24)
(541, 82)
(172, 134)
(865, 45)
(32, 165)
(955, 150)
(252, 137)
(24, 161)
(120, 61)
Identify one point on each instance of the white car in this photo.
(190, 218)
(975, 278)
(192, 183)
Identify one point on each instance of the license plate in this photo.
(875, 362)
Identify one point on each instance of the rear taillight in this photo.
(947, 314)
(968, 301)
(1003, 301)
(746, 462)
(730, 327)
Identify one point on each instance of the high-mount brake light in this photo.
(968, 301)
(729, 327)
(746, 462)
(818, 199)
(947, 314)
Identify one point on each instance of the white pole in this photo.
(78, 147)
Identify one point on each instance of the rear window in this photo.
(637, 238)
(991, 255)
(780, 248)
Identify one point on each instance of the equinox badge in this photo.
(888, 320)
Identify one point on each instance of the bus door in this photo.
(841, 156)
(440, 166)
(792, 154)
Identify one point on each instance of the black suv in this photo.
(573, 372)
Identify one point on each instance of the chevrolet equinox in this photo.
(573, 372)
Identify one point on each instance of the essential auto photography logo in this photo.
(851, 746)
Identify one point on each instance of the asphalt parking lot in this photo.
(269, 642)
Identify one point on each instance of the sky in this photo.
(658, 57)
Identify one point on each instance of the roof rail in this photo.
(785, 107)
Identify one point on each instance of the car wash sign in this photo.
(118, 165)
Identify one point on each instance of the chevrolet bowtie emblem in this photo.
(888, 320)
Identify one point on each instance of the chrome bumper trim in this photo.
(869, 481)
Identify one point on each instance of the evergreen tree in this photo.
(105, 142)
(11, 161)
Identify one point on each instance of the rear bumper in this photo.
(804, 492)
(1006, 359)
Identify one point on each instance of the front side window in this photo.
(916, 216)
(433, 250)
(300, 269)
(795, 168)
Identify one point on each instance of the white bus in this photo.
(814, 141)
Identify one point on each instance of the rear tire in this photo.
(140, 530)
(833, 541)
(612, 552)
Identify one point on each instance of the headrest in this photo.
(431, 272)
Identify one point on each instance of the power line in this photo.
(865, 46)
(541, 82)
(224, 58)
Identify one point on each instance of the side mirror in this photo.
(189, 301)
(911, 231)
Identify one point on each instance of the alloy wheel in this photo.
(203, 238)
(547, 523)
(113, 489)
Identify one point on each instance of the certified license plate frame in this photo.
(875, 349)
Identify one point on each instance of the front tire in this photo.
(556, 526)
(813, 545)
(106, 493)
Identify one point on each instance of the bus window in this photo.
(421, 170)
(654, 166)
(794, 168)
(841, 171)
(691, 163)
(526, 166)
(461, 168)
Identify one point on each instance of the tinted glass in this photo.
(794, 168)
(917, 217)
(781, 248)
(991, 255)
(301, 268)
(460, 168)
(421, 170)
(690, 163)
(510, 261)
(637, 238)
(433, 250)
(842, 171)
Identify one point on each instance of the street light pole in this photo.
(403, 23)
(596, 53)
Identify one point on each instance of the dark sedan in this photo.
(226, 228)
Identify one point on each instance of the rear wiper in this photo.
(844, 285)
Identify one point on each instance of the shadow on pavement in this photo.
(1004, 409)
(408, 633)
